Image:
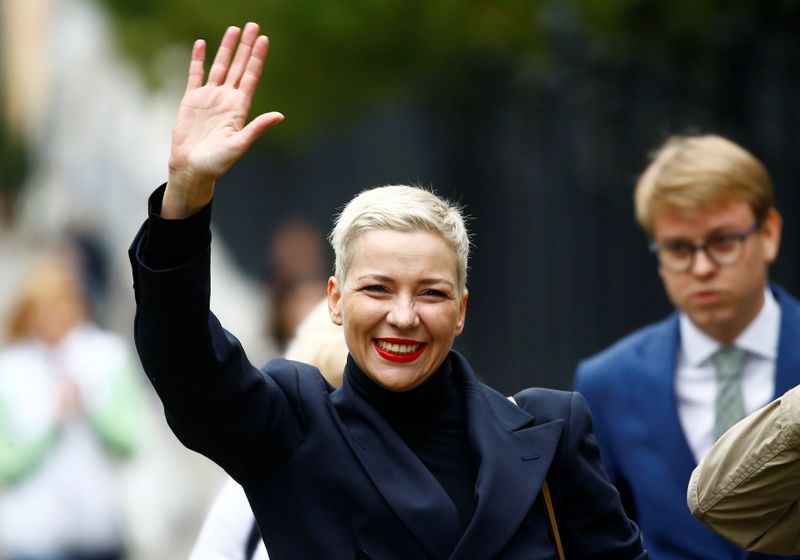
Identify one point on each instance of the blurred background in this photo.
(536, 115)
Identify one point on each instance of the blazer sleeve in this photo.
(215, 400)
(589, 513)
(747, 487)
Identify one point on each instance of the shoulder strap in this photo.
(551, 512)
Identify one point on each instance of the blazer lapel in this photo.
(514, 456)
(787, 366)
(400, 477)
(655, 398)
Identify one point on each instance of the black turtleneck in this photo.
(432, 420)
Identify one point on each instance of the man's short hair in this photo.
(400, 208)
(690, 174)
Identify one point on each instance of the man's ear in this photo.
(334, 300)
(462, 312)
(771, 235)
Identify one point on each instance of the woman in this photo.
(70, 404)
(412, 457)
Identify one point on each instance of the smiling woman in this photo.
(413, 457)
(399, 303)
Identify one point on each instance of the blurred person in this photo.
(747, 486)
(661, 396)
(413, 457)
(296, 277)
(291, 302)
(230, 532)
(69, 405)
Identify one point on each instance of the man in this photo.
(661, 396)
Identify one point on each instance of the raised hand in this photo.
(211, 130)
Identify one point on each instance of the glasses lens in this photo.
(724, 249)
(676, 255)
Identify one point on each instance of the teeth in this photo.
(398, 348)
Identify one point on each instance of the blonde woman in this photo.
(412, 457)
(70, 401)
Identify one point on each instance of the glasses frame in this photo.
(740, 236)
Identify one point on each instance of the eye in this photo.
(723, 243)
(375, 288)
(678, 247)
(433, 292)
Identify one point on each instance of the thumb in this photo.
(258, 126)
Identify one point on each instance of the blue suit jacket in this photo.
(630, 390)
(326, 475)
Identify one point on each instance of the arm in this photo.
(19, 457)
(591, 518)
(747, 487)
(586, 383)
(215, 401)
(119, 417)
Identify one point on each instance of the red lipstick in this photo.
(399, 358)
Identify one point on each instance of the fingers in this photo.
(195, 79)
(255, 65)
(240, 60)
(222, 60)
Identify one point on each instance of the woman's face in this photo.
(399, 305)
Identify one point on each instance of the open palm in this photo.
(211, 130)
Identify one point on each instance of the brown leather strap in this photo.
(551, 512)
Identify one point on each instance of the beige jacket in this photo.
(747, 488)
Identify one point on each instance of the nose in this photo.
(403, 314)
(702, 265)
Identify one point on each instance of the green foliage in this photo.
(13, 160)
(331, 60)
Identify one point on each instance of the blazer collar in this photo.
(787, 365)
(513, 453)
(654, 396)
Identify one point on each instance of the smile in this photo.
(398, 350)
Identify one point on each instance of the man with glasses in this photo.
(661, 396)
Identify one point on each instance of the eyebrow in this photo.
(384, 278)
(725, 229)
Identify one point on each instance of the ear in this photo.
(462, 312)
(771, 235)
(334, 300)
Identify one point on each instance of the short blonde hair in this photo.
(320, 342)
(400, 208)
(690, 174)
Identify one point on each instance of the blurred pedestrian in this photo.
(70, 400)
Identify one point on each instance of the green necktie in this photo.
(729, 406)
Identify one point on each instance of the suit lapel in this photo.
(655, 398)
(787, 366)
(514, 456)
(408, 487)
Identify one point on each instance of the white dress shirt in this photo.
(696, 378)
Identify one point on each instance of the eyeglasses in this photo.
(722, 249)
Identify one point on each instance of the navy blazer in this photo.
(630, 390)
(327, 477)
